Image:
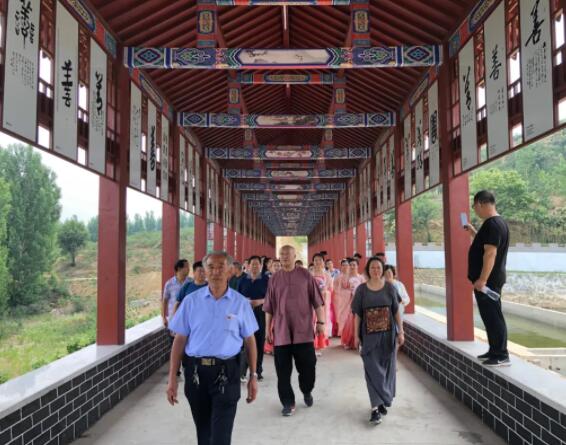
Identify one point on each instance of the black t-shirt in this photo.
(494, 231)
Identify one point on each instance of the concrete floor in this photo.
(423, 413)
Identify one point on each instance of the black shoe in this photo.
(494, 362)
(288, 411)
(382, 410)
(259, 378)
(484, 356)
(309, 400)
(375, 418)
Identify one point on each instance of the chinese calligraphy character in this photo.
(419, 134)
(67, 83)
(467, 91)
(536, 32)
(434, 127)
(23, 24)
(99, 101)
(152, 159)
(495, 64)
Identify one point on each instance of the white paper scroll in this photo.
(197, 182)
(151, 182)
(191, 177)
(378, 179)
(468, 129)
(135, 136)
(496, 83)
(407, 155)
(384, 181)
(433, 136)
(66, 83)
(164, 189)
(419, 147)
(536, 67)
(21, 71)
(181, 174)
(392, 175)
(97, 109)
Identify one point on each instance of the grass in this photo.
(29, 342)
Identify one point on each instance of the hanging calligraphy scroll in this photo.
(164, 188)
(496, 83)
(66, 87)
(536, 67)
(97, 109)
(197, 180)
(433, 141)
(191, 176)
(183, 174)
(419, 147)
(135, 136)
(19, 111)
(391, 173)
(468, 129)
(407, 156)
(378, 180)
(151, 166)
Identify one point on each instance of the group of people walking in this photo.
(232, 313)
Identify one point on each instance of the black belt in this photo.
(211, 361)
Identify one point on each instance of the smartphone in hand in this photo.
(464, 220)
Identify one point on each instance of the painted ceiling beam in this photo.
(289, 197)
(292, 188)
(288, 153)
(292, 204)
(283, 58)
(285, 79)
(305, 174)
(287, 121)
(282, 2)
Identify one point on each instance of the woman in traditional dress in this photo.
(390, 275)
(354, 280)
(324, 282)
(342, 296)
(378, 329)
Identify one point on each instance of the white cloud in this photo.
(79, 187)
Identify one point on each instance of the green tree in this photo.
(31, 223)
(514, 200)
(426, 208)
(92, 227)
(136, 225)
(149, 221)
(5, 199)
(72, 236)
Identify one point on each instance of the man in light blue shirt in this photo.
(210, 328)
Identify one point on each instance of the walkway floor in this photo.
(423, 413)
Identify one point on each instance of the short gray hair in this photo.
(218, 253)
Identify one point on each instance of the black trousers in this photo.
(213, 410)
(259, 341)
(305, 362)
(494, 322)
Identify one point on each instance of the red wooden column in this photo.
(218, 237)
(340, 253)
(455, 199)
(230, 241)
(404, 234)
(361, 243)
(349, 242)
(169, 241)
(378, 234)
(240, 246)
(112, 231)
(200, 237)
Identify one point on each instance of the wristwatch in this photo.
(253, 375)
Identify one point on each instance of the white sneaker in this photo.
(318, 354)
(243, 380)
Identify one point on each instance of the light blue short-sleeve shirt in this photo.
(216, 328)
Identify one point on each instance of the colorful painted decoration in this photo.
(317, 187)
(285, 152)
(283, 58)
(292, 79)
(233, 173)
(476, 17)
(339, 120)
(289, 197)
(261, 204)
(282, 2)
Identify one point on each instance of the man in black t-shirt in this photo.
(487, 258)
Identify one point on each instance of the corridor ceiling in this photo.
(172, 23)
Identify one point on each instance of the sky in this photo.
(79, 188)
